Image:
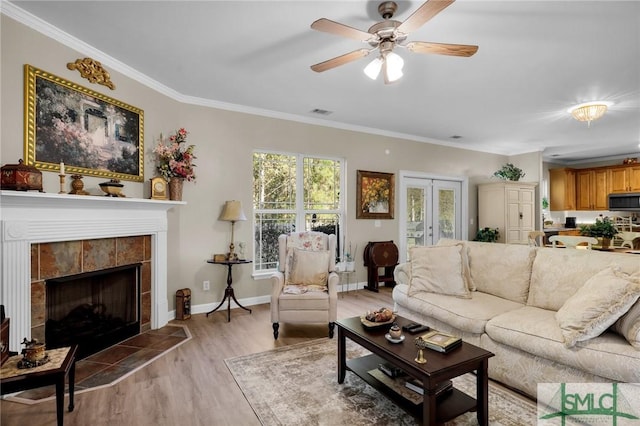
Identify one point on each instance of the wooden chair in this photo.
(572, 241)
(536, 238)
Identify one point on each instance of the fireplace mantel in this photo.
(33, 217)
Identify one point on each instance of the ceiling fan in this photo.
(385, 36)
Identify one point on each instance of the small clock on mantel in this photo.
(159, 188)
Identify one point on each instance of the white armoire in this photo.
(510, 207)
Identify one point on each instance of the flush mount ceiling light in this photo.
(589, 111)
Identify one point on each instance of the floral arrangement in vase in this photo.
(175, 159)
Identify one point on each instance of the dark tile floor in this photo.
(114, 363)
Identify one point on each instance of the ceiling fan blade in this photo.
(425, 12)
(331, 27)
(340, 60)
(442, 48)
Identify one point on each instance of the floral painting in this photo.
(375, 195)
(91, 133)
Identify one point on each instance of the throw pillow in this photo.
(438, 269)
(466, 264)
(310, 268)
(603, 299)
(628, 326)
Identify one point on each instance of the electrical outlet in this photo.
(206, 285)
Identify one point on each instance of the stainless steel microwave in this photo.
(625, 202)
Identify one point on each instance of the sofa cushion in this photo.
(628, 326)
(503, 270)
(596, 305)
(438, 270)
(536, 331)
(558, 273)
(467, 315)
(311, 301)
(307, 267)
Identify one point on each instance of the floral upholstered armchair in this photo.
(305, 287)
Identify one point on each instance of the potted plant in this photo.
(509, 172)
(603, 230)
(487, 235)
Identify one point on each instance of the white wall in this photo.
(224, 143)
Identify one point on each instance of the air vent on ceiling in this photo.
(321, 111)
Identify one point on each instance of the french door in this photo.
(430, 209)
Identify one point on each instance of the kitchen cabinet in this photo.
(562, 189)
(510, 207)
(592, 189)
(624, 179)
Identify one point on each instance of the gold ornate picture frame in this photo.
(93, 134)
(375, 195)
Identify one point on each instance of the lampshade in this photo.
(394, 66)
(391, 65)
(373, 69)
(589, 111)
(232, 211)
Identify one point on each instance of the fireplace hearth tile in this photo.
(98, 370)
(113, 355)
(147, 247)
(140, 358)
(104, 377)
(98, 254)
(37, 303)
(60, 259)
(35, 262)
(145, 277)
(130, 250)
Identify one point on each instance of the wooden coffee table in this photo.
(438, 368)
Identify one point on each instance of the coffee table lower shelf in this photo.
(449, 406)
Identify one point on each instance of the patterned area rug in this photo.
(298, 384)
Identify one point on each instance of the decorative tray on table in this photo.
(378, 318)
(373, 324)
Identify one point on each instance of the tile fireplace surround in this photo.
(32, 217)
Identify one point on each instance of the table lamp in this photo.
(232, 212)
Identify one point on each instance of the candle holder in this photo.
(62, 191)
(77, 185)
(421, 344)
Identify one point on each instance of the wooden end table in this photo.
(62, 364)
(439, 367)
(228, 292)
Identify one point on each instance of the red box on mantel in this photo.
(20, 177)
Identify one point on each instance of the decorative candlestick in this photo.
(62, 191)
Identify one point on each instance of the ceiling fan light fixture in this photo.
(393, 67)
(373, 69)
(589, 111)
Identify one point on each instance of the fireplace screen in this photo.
(94, 310)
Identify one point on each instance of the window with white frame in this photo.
(293, 192)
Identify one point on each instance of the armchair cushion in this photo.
(308, 268)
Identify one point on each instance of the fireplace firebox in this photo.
(93, 310)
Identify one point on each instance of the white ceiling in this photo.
(535, 60)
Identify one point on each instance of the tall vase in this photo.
(175, 188)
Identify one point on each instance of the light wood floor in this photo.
(191, 385)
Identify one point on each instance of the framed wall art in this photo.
(375, 194)
(93, 134)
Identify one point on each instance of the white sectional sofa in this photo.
(512, 299)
